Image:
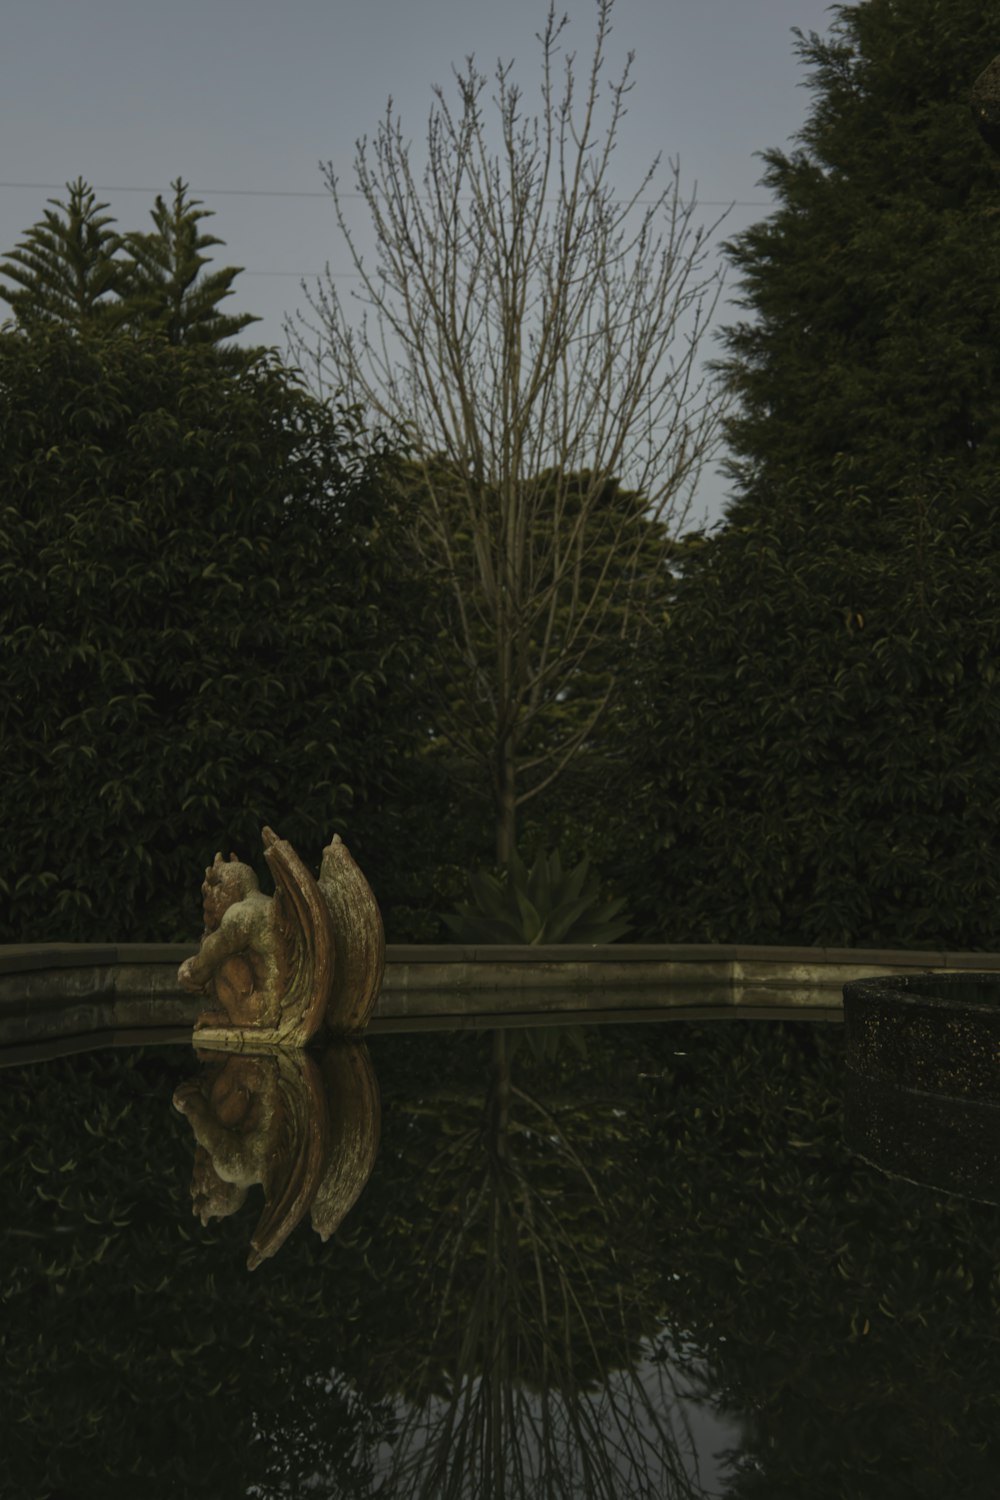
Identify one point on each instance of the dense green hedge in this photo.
(821, 758)
(202, 630)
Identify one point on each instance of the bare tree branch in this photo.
(532, 338)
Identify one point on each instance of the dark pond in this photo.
(631, 1260)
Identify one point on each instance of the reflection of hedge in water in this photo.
(135, 1345)
(852, 1317)
(208, 623)
(136, 1348)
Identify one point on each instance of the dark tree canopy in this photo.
(873, 325)
(579, 669)
(201, 631)
(819, 762)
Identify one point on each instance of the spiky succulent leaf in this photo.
(576, 883)
(562, 925)
(540, 884)
(532, 925)
(543, 905)
(469, 926)
(489, 895)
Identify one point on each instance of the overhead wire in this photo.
(97, 187)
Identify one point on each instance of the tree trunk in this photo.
(499, 1095)
(506, 788)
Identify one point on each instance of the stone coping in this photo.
(68, 989)
(73, 995)
(21, 957)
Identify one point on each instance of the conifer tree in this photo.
(873, 285)
(163, 282)
(819, 763)
(73, 268)
(65, 270)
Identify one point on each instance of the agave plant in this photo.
(542, 905)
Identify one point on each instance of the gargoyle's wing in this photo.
(358, 937)
(308, 946)
(298, 1168)
(355, 1113)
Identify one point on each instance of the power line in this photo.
(98, 187)
(307, 275)
(48, 187)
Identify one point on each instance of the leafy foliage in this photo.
(875, 326)
(819, 763)
(594, 581)
(197, 629)
(540, 905)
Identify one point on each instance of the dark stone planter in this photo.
(923, 1079)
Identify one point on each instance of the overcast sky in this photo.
(244, 99)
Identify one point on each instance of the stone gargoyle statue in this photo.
(279, 968)
(304, 1129)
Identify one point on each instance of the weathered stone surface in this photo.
(99, 988)
(985, 102)
(358, 936)
(933, 1140)
(282, 967)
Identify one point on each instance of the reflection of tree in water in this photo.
(455, 1337)
(850, 1317)
(520, 1369)
(526, 1238)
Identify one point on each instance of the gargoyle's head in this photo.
(226, 882)
(985, 101)
(211, 1196)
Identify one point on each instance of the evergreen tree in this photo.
(65, 270)
(819, 761)
(72, 268)
(875, 328)
(163, 282)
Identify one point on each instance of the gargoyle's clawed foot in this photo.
(188, 1098)
(212, 1018)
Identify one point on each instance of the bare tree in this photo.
(532, 338)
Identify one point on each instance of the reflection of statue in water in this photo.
(281, 966)
(306, 1130)
(985, 101)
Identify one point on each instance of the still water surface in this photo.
(608, 1261)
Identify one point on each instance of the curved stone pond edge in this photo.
(56, 991)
